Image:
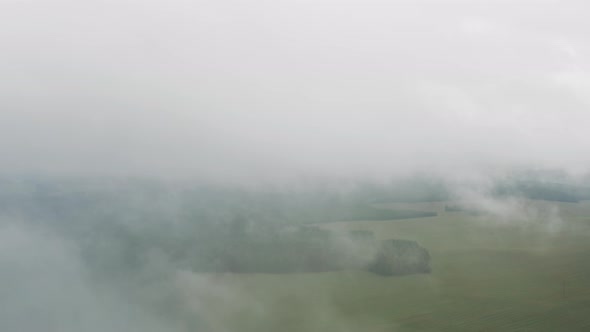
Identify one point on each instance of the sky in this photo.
(230, 89)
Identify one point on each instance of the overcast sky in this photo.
(257, 89)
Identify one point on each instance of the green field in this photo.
(488, 274)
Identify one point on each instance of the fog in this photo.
(140, 140)
(229, 90)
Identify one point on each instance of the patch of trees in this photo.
(547, 191)
(312, 249)
(458, 208)
(124, 227)
(400, 257)
(370, 213)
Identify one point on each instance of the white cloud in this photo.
(223, 89)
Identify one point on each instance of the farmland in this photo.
(212, 259)
(488, 274)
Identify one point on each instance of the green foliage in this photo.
(307, 249)
(369, 213)
(203, 228)
(458, 208)
(311, 249)
(400, 257)
(547, 191)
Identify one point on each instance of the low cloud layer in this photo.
(225, 90)
(46, 286)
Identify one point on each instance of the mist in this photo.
(272, 165)
(278, 90)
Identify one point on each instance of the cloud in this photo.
(45, 286)
(221, 90)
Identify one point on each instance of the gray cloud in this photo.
(46, 287)
(224, 89)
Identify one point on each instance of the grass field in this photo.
(488, 274)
